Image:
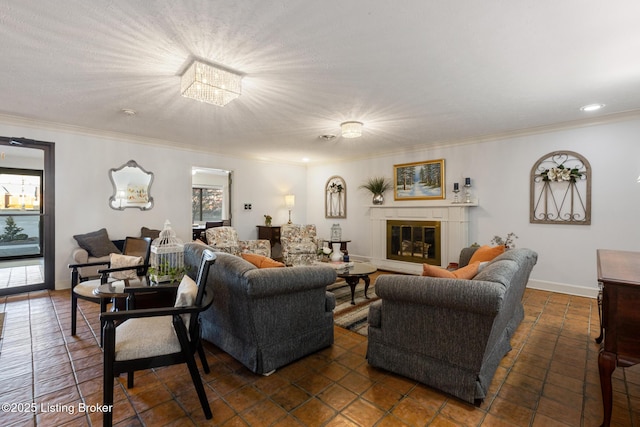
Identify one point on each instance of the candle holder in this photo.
(456, 190)
(467, 191)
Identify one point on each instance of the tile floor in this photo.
(550, 378)
(20, 275)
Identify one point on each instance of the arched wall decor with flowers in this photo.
(561, 189)
(335, 201)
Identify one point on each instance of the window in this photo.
(207, 203)
(210, 195)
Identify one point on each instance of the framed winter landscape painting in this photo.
(419, 181)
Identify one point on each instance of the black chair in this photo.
(133, 246)
(149, 338)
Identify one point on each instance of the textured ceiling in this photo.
(417, 73)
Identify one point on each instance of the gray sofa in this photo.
(266, 318)
(450, 334)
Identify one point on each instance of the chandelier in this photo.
(211, 84)
(351, 129)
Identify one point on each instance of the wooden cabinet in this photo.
(272, 234)
(619, 274)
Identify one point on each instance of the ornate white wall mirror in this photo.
(131, 187)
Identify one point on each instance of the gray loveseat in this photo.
(266, 318)
(450, 334)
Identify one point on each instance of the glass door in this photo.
(20, 213)
(26, 215)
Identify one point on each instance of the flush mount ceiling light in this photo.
(351, 129)
(210, 83)
(591, 107)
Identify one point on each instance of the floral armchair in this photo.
(299, 244)
(225, 239)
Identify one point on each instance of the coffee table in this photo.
(352, 275)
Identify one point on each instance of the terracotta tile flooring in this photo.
(550, 378)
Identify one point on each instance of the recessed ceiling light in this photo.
(591, 107)
(305, 159)
(327, 137)
(128, 112)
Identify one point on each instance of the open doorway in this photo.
(26, 215)
(210, 199)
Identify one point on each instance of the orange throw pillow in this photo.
(486, 253)
(467, 272)
(261, 261)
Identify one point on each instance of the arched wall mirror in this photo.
(131, 187)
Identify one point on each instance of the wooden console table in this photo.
(619, 274)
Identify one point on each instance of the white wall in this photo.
(83, 188)
(499, 170)
(500, 176)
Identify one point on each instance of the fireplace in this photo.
(451, 222)
(414, 241)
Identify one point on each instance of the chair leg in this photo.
(108, 375)
(203, 358)
(103, 308)
(188, 355)
(130, 379)
(74, 312)
(197, 382)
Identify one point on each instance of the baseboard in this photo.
(62, 284)
(563, 288)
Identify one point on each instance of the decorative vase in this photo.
(336, 255)
(378, 199)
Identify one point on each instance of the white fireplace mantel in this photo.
(454, 231)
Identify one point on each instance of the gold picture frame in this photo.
(419, 180)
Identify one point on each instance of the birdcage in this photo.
(167, 256)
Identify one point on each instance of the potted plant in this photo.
(377, 186)
(165, 273)
(508, 242)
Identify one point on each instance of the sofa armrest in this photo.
(258, 246)
(80, 256)
(467, 295)
(375, 314)
(330, 303)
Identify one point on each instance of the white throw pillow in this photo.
(118, 260)
(186, 296)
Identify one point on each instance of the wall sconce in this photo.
(289, 201)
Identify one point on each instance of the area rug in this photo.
(352, 317)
